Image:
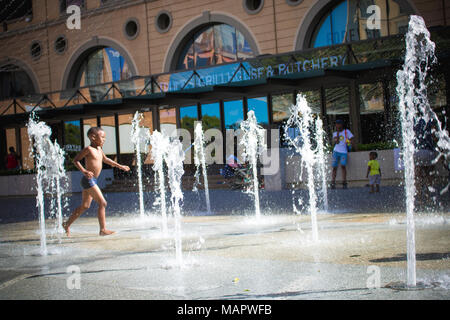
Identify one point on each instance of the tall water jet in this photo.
(199, 160)
(253, 142)
(159, 144)
(139, 137)
(414, 107)
(174, 157)
(301, 117)
(322, 157)
(50, 172)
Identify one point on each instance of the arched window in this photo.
(354, 20)
(214, 44)
(14, 82)
(102, 65)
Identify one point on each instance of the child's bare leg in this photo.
(333, 175)
(97, 195)
(378, 188)
(344, 173)
(371, 188)
(85, 204)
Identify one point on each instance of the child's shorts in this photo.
(374, 179)
(339, 157)
(88, 183)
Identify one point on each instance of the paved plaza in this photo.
(228, 254)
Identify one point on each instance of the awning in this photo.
(237, 89)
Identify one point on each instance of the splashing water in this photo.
(139, 137)
(322, 157)
(199, 160)
(302, 118)
(174, 158)
(159, 144)
(414, 107)
(253, 142)
(169, 151)
(50, 173)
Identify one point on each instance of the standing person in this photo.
(94, 158)
(343, 140)
(373, 172)
(12, 160)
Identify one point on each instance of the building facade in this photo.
(182, 61)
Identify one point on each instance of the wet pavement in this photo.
(228, 257)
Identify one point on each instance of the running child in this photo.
(94, 158)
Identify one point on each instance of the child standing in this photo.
(343, 140)
(94, 158)
(373, 172)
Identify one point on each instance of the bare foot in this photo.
(106, 232)
(66, 227)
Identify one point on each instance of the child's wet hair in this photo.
(94, 130)
(373, 153)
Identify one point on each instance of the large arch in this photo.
(191, 27)
(77, 58)
(22, 65)
(313, 16)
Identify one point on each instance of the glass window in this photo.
(103, 65)
(280, 110)
(372, 116)
(394, 115)
(168, 121)
(127, 153)
(126, 147)
(314, 100)
(437, 93)
(72, 140)
(108, 125)
(14, 82)
(15, 9)
(351, 20)
(64, 4)
(280, 106)
(188, 115)
(337, 107)
(225, 43)
(24, 154)
(233, 113)
(11, 139)
(211, 116)
(244, 50)
(259, 106)
(214, 44)
(148, 123)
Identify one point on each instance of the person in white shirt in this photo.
(343, 140)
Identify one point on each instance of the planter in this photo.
(24, 185)
(356, 169)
